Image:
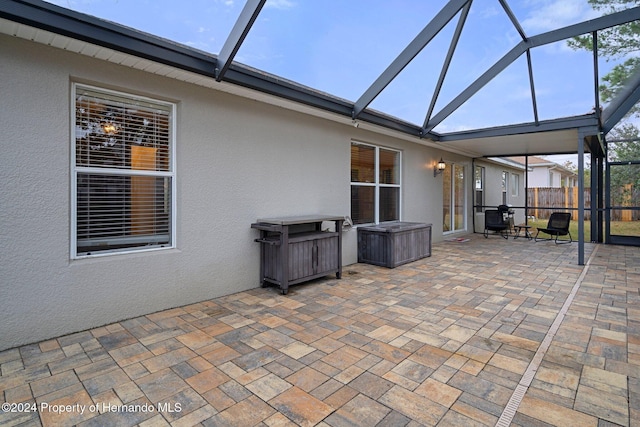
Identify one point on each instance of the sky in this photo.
(341, 47)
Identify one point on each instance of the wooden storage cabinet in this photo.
(393, 244)
(296, 249)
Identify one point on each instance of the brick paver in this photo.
(447, 340)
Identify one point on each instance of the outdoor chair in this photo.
(494, 221)
(557, 226)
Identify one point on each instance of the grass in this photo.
(623, 228)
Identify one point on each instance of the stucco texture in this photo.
(237, 160)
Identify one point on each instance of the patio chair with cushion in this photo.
(494, 221)
(557, 226)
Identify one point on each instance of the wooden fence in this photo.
(544, 200)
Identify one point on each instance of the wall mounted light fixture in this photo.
(439, 168)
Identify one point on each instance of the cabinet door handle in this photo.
(271, 242)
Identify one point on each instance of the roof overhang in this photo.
(559, 136)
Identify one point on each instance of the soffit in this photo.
(541, 143)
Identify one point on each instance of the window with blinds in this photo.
(375, 184)
(123, 172)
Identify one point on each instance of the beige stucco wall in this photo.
(237, 160)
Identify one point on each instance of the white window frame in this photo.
(515, 185)
(75, 170)
(377, 184)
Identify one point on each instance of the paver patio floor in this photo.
(482, 333)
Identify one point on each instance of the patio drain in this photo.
(518, 394)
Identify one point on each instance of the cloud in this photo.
(490, 12)
(279, 4)
(547, 15)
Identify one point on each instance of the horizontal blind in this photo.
(121, 143)
(389, 204)
(107, 126)
(375, 184)
(362, 204)
(363, 163)
(115, 212)
(389, 167)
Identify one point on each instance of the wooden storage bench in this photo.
(393, 244)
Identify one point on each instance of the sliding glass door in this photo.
(453, 198)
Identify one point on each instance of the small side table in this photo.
(519, 228)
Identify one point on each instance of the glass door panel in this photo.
(453, 198)
(446, 200)
(459, 222)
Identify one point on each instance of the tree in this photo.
(622, 41)
(569, 165)
(615, 42)
(625, 179)
(625, 146)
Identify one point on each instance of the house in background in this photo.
(545, 173)
(498, 181)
